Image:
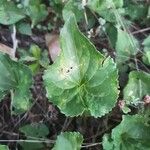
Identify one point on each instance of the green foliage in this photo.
(36, 57)
(75, 7)
(131, 134)
(9, 13)
(126, 46)
(146, 54)
(106, 8)
(34, 131)
(138, 86)
(24, 28)
(68, 141)
(4, 147)
(36, 11)
(136, 12)
(15, 77)
(76, 79)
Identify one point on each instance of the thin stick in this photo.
(90, 145)
(142, 30)
(15, 41)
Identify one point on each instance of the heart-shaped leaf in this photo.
(17, 78)
(81, 79)
(68, 141)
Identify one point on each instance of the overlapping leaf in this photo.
(15, 77)
(137, 87)
(81, 79)
(132, 134)
(68, 141)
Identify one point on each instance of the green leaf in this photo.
(36, 11)
(36, 130)
(81, 79)
(4, 147)
(15, 77)
(126, 46)
(137, 86)
(131, 134)
(146, 54)
(24, 28)
(9, 13)
(39, 130)
(69, 141)
(136, 12)
(75, 7)
(146, 42)
(106, 8)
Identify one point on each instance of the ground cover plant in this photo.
(74, 74)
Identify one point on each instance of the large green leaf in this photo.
(126, 46)
(17, 78)
(4, 147)
(137, 86)
(132, 134)
(9, 13)
(68, 141)
(81, 79)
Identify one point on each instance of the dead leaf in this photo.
(6, 49)
(52, 42)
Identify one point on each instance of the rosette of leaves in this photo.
(68, 141)
(131, 134)
(81, 80)
(17, 79)
(137, 87)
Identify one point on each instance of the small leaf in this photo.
(39, 130)
(17, 78)
(81, 79)
(9, 13)
(131, 134)
(146, 42)
(24, 28)
(69, 141)
(137, 87)
(34, 130)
